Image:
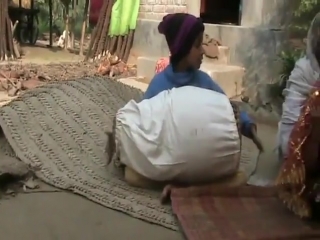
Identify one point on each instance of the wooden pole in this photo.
(66, 37)
(31, 22)
(50, 23)
(84, 26)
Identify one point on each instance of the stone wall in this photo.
(156, 9)
(275, 14)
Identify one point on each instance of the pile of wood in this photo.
(102, 44)
(15, 78)
(8, 46)
(13, 82)
(113, 67)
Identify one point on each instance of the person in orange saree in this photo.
(299, 133)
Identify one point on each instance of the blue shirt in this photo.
(168, 79)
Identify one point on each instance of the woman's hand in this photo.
(256, 140)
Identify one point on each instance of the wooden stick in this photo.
(123, 47)
(15, 47)
(10, 38)
(105, 28)
(129, 45)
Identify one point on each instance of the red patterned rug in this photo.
(245, 213)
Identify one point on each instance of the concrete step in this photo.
(146, 68)
(228, 77)
(146, 65)
(224, 56)
(132, 82)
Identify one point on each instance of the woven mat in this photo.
(247, 213)
(59, 130)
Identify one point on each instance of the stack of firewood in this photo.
(102, 44)
(9, 49)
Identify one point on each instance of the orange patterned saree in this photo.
(299, 176)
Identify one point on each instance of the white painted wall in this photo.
(193, 7)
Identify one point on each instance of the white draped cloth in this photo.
(186, 134)
(301, 81)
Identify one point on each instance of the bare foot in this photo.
(165, 195)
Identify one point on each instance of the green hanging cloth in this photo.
(115, 18)
(124, 16)
(134, 15)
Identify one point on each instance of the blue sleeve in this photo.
(244, 117)
(156, 86)
(150, 93)
(212, 85)
(246, 124)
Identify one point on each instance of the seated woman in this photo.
(185, 44)
(299, 133)
(184, 35)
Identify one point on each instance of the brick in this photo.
(156, 9)
(149, 16)
(170, 9)
(159, 16)
(141, 15)
(146, 8)
(180, 9)
(159, 8)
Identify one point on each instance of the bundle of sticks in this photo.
(101, 44)
(8, 46)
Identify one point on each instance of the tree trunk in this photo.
(72, 22)
(66, 39)
(50, 23)
(72, 40)
(84, 25)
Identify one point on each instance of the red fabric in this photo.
(161, 64)
(243, 213)
(294, 184)
(95, 6)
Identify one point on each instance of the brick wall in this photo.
(156, 9)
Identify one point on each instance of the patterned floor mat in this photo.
(247, 213)
(60, 131)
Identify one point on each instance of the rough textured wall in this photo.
(273, 14)
(156, 9)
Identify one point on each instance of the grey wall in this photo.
(267, 13)
(255, 49)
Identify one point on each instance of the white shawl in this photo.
(300, 83)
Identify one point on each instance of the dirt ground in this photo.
(65, 216)
(40, 65)
(41, 54)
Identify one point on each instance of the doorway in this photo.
(221, 11)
